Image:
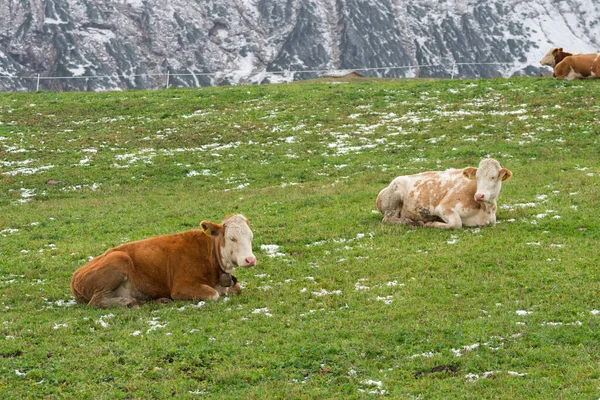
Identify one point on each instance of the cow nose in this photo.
(250, 261)
(479, 196)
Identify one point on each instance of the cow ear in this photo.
(469, 172)
(210, 228)
(505, 174)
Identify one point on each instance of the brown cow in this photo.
(445, 199)
(191, 265)
(579, 66)
(572, 66)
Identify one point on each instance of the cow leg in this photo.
(451, 218)
(109, 284)
(392, 219)
(104, 300)
(233, 289)
(390, 201)
(193, 291)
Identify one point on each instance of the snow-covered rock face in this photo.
(134, 43)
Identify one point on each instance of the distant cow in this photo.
(579, 66)
(572, 66)
(191, 265)
(445, 199)
(554, 56)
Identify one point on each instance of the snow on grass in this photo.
(386, 300)
(377, 384)
(264, 311)
(428, 354)
(458, 352)
(28, 171)
(68, 303)
(359, 286)
(8, 231)
(395, 283)
(145, 156)
(521, 205)
(475, 377)
(324, 292)
(513, 373)
(102, 319)
(272, 250)
(155, 324)
(16, 163)
(26, 195)
(74, 188)
(204, 172)
(576, 323)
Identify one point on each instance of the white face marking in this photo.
(548, 59)
(489, 181)
(237, 250)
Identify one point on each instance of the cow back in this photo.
(161, 260)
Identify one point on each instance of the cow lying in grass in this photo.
(572, 66)
(445, 199)
(192, 265)
(579, 66)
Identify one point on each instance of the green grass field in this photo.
(339, 305)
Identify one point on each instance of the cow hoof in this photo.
(133, 304)
(163, 300)
(236, 289)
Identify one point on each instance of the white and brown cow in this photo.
(191, 265)
(572, 66)
(445, 199)
(579, 66)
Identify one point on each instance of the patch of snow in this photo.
(272, 250)
(523, 312)
(264, 311)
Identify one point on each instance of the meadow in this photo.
(339, 305)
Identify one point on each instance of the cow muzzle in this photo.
(479, 197)
(250, 261)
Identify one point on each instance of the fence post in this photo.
(453, 68)
(167, 79)
(37, 87)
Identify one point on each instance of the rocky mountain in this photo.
(120, 44)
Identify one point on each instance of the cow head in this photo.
(489, 176)
(235, 240)
(550, 58)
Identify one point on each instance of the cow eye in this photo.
(233, 239)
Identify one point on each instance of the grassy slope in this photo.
(305, 163)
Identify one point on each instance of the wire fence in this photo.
(452, 70)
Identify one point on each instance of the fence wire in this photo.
(119, 81)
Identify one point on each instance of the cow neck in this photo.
(225, 278)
